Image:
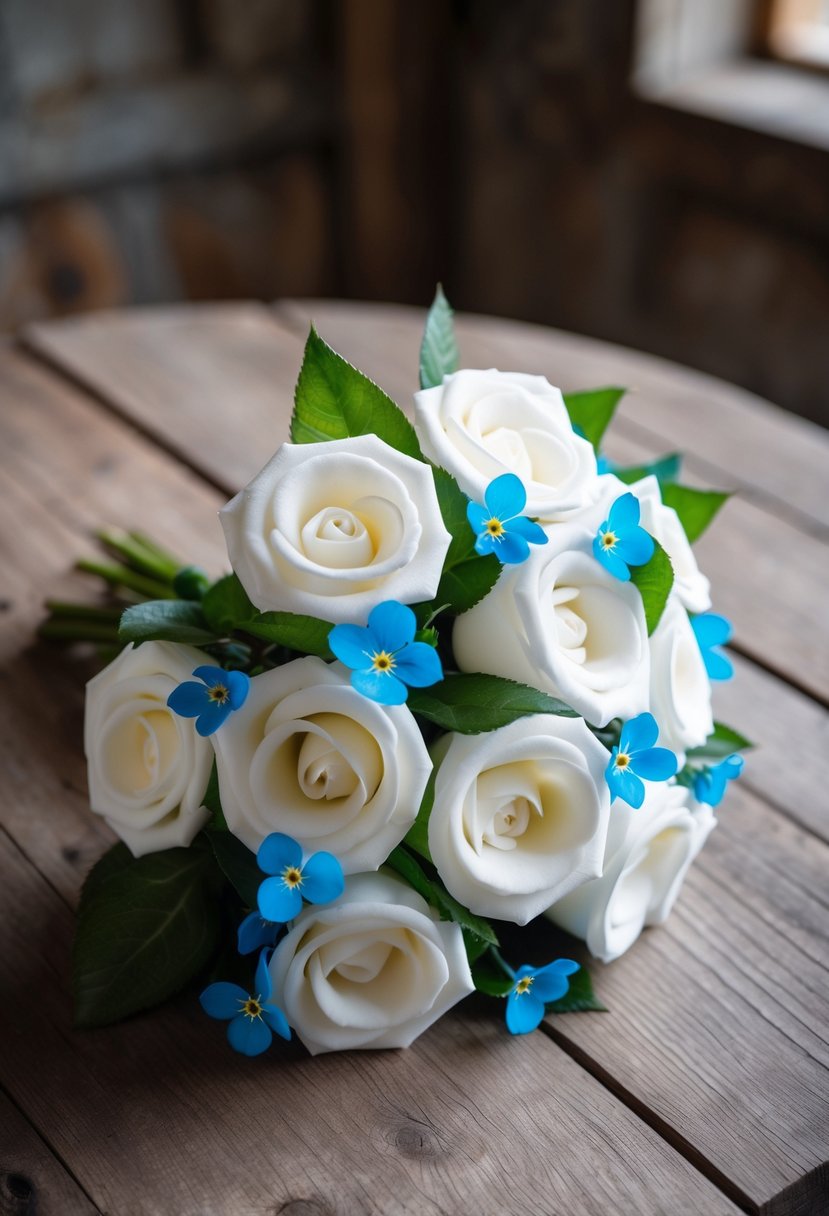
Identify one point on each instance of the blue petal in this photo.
(238, 685)
(418, 665)
(222, 1000)
(529, 529)
(505, 496)
(188, 700)
(625, 785)
(717, 665)
(211, 675)
(322, 878)
(352, 644)
(212, 717)
(711, 629)
(277, 1021)
(657, 764)
(392, 624)
(278, 851)
(732, 766)
(524, 1013)
(277, 901)
(624, 514)
(639, 734)
(709, 786)
(477, 516)
(512, 549)
(610, 561)
(264, 985)
(635, 547)
(250, 1036)
(254, 932)
(552, 982)
(485, 544)
(379, 686)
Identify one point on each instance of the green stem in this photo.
(122, 576)
(83, 612)
(502, 962)
(146, 561)
(57, 630)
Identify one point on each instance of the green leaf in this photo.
(145, 928)
(410, 869)
(435, 893)
(238, 864)
(467, 576)
(665, 469)
(472, 702)
(166, 621)
(417, 837)
(306, 634)
(724, 741)
(212, 801)
(579, 997)
(591, 411)
(226, 605)
(695, 508)
(654, 581)
(489, 977)
(190, 583)
(439, 355)
(333, 401)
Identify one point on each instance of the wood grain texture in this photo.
(32, 1180)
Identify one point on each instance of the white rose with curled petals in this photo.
(373, 969)
(148, 768)
(520, 815)
(680, 687)
(309, 756)
(648, 855)
(562, 623)
(330, 529)
(480, 424)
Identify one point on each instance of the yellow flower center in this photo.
(524, 985)
(494, 527)
(218, 693)
(383, 662)
(609, 539)
(292, 876)
(252, 1007)
(622, 760)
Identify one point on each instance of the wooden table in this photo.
(705, 1090)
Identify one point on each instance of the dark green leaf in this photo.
(226, 605)
(489, 977)
(467, 577)
(579, 997)
(333, 401)
(306, 634)
(591, 411)
(665, 469)
(436, 894)
(166, 621)
(439, 354)
(212, 801)
(654, 581)
(238, 864)
(723, 742)
(417, 837)
(410, 869)
(145, 928)
(473, 702)
(695, 508)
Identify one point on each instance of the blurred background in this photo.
(654, 172)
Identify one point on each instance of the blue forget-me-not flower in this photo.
(711, 632)
(636, 758)
(318, 878)
(710, 783)
(535, 987)
(384, 656)
(620, 542)
(211, 701)
(499, 526)
(253, 1018)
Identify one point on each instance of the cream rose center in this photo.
(139, 747)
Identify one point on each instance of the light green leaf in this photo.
(654, 581)
(695, 508)
(439, 355)
(665, 469)
(226, 605)
(333, 401)
(579, 997)
(166, 621)
(591, 411)
(724, 741)
(472, 702)
(306, 634)
(417, 837)
(145, 928)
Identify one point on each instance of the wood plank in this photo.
(728, 431)
(718, 1022)
(32, 1180)
(158, 1115)
(144, 361)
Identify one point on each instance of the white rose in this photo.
(480, 424)
(331, 529)
(373, 969)
(309, 756)
(561, 622)
(520, 815)
(148, 769)
(680, 687)
(648, 854)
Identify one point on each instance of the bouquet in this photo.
(458, 679)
